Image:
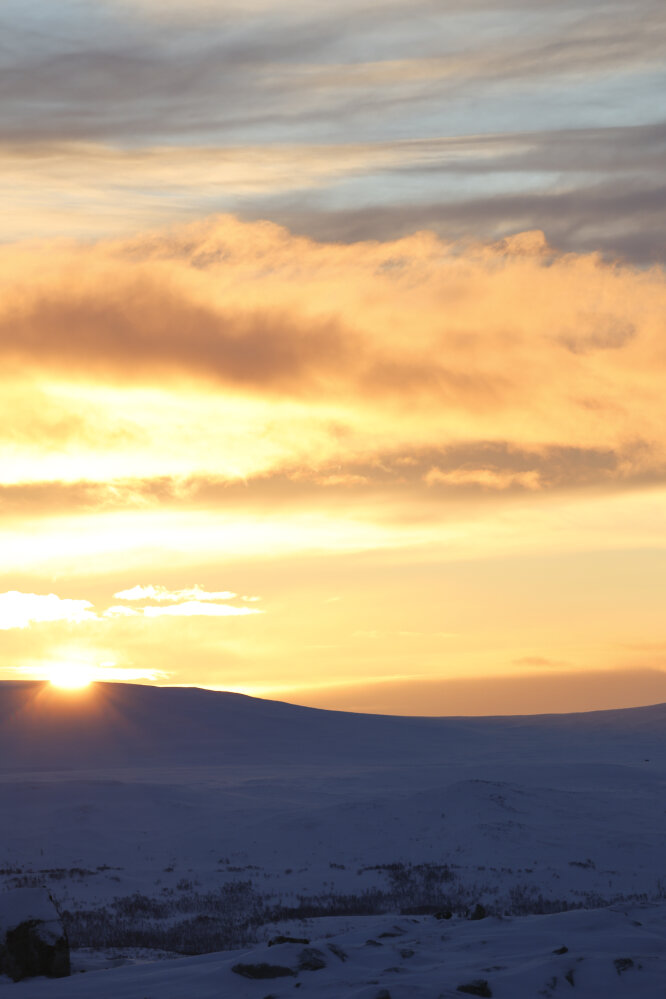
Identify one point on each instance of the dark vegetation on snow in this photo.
(196, 922)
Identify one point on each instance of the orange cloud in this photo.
(227, 365)
(474, 337)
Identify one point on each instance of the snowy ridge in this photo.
(115, 724)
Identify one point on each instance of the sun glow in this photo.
(70, 676)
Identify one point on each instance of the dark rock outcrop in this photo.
(32, 937)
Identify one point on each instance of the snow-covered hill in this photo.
(114, 724)
(186, 820)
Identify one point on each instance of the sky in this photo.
(333, 344)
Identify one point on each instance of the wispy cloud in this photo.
(193, 601)
(117, 116)
(161, 593)
(475, 470)
(246, 70)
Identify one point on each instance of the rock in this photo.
(32, 937)
(561, 950)
(406, 953)
(311, 959)
(383, 994)
(284, 940)
(623, 964)
(262, 970)
(479, 987)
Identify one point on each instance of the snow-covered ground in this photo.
(177, 820)
(597, 953)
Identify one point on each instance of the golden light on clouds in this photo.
(240, 344)
(359, 435)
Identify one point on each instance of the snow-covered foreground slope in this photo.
(188, 821)
(598, 953)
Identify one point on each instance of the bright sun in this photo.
(70, 676)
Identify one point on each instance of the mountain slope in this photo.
(132, 724)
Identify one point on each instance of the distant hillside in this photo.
(113, 724)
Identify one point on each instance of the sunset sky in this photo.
(333, 344)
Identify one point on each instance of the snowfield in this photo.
(172, 821)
